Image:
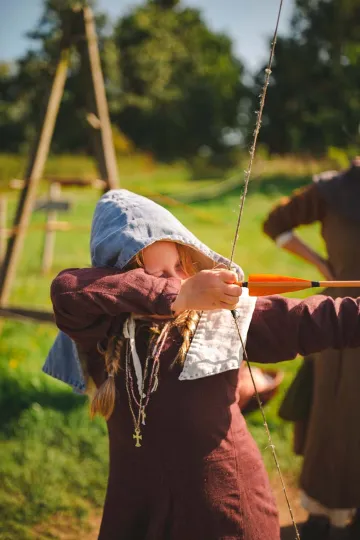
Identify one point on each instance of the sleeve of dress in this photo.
(282, 328)
(304, 207)
(85, 301)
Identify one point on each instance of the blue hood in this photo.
(123, 224)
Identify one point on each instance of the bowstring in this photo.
(256, 133)
(241, 209)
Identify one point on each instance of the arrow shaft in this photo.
(338, 284)
(289, 284)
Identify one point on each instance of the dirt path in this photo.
(287, 528)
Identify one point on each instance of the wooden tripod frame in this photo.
(79, 31)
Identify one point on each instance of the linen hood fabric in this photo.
(123, 224)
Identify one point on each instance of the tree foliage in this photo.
(23, 90)
(165, 4)
(175, 86)
(181, 83)
(314, 98)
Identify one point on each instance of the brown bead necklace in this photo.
(148, 381)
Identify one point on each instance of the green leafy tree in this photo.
(25, 88)
(165, 4)
(180, 82)
(173, 85)
(12, 129)
(313, 101)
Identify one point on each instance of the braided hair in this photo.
(103, 401)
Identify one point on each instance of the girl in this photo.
(329, 438)
(151, 325)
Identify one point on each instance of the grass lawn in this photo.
(53, 458)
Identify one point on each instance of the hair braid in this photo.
(104, 399)
(188, 322)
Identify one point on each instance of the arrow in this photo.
(267, 284)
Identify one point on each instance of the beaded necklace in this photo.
(146, 385)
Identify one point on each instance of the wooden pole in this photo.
(26, 314)
(32, 179)
(98, 115)
(50, 233)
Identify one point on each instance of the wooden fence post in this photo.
(50, 233)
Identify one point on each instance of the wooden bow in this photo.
(241, 208)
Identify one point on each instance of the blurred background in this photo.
(182, 79)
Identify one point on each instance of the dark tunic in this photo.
(330, 440)
(198, 474)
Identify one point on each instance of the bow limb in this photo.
(241, 209)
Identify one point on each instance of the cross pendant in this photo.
(138, 438)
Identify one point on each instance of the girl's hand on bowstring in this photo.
(208, 290)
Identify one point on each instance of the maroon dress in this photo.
(198, 474)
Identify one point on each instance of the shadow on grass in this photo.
(280, 183)
(16, 397)
(208, 174)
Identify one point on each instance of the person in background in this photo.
(330, 438)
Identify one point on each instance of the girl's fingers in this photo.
(232, 290)
(228, 276)
(224, 305)
(230, 300)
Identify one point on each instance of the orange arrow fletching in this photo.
(267, 284)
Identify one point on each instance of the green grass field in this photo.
(53, 458)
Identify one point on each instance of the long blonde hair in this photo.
(103, 401)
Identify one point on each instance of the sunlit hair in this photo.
(103, 401)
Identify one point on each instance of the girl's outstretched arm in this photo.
(282, 328)
(87, 300)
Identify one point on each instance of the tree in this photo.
(11, 126)
(24, 89)
(165, 4)
(181, 83)
(173, 85)
(313, 101)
